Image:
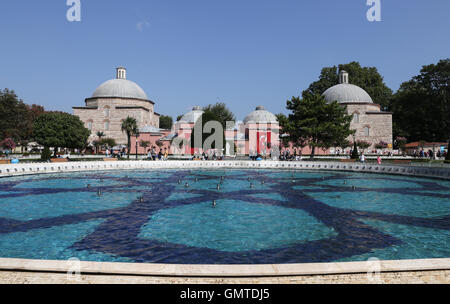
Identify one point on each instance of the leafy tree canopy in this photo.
(316, 123)
(422, 105)
(221, 112)
(16, 117)
(165, 122)
(60, 130)
(368, 78)
(129, 126)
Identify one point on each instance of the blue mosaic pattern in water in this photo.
(261, 217)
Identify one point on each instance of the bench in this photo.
(348, 160)
(110, 159)
(5, 161)
(59, 160)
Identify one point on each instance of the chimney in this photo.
(121, 73)
(343, 77)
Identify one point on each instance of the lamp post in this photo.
(137, 140)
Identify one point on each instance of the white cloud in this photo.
(141, 25)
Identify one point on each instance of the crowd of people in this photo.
(161, 155)
(429, 154)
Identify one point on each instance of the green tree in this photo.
(341, 143)
(100, 135)
(46, 154)
(367, 78)
(200, 125)
(221, 112)
(316, 123)
(355, 154)
(422, 105)
(108, 142)
(98, 143)
(144, 144)
(129, 126)
(14, 117)
(283, 122)
(60, 130)
(165, 122)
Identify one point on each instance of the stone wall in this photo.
(113, 111)
(379, 123)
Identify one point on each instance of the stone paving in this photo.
(417, 277)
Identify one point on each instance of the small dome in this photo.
(193, 115)
(347, 93)
(260, 115)
(120, 88)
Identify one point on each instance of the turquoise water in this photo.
(261, 216)
(226, 228)
(33, 207)
(386, 203)
(416, 243)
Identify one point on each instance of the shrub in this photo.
(381, 145)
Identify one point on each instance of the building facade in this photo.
(371, 124)
(112, 102)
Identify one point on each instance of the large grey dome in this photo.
(260, 115)
(120, 88)
(347, 93)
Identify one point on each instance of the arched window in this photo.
(366, 131)
(89, 125)
(356, 117)
(106, 125)
(106, 111)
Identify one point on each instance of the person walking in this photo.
(363, 158)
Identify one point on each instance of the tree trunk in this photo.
(313, 152)
(129, 146)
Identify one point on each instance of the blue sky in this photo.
(184, 53)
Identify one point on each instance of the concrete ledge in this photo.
(175, 270)
(39, 168)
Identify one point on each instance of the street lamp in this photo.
(137, 140)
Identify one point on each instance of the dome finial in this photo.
(121, 73)
(343, 77)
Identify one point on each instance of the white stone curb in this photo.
(42, 168)
(177, 270)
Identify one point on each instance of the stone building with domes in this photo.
(262, 130)
(371, 123)
(113, 101)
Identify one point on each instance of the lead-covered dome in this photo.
(120, 87)
(345, 92)
(192, 116)
(260, 115)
